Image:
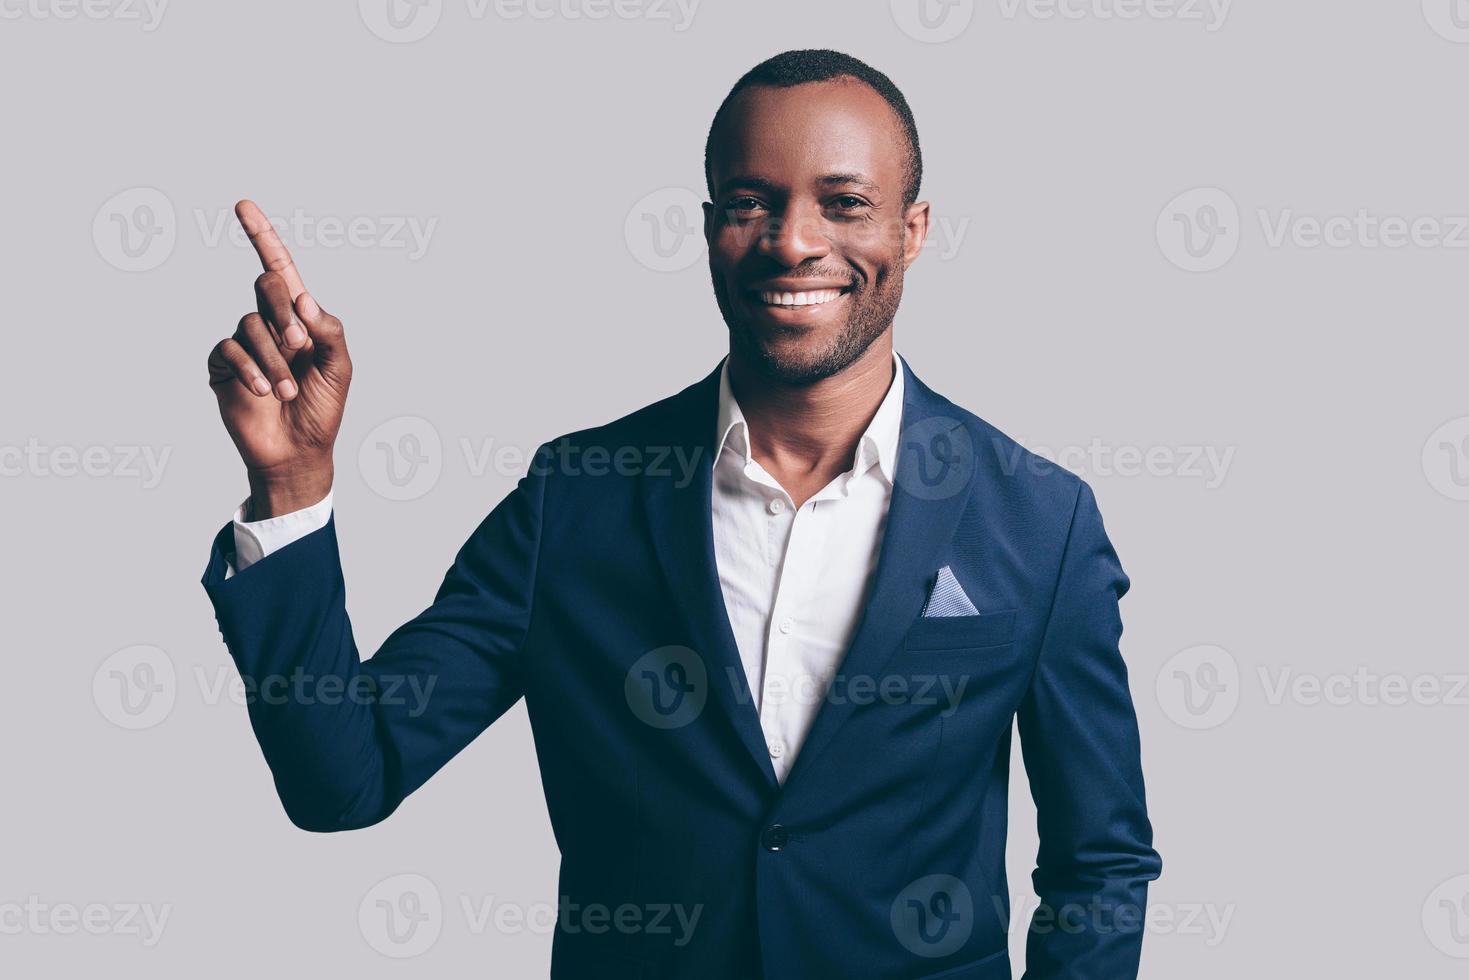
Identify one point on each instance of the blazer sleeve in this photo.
(347, 740)
(1080, 742)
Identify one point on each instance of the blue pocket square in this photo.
(947, 597)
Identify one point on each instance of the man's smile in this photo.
(789, 304)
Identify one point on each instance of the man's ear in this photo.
(915, 231)
(710, 216)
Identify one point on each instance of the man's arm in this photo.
(1080, 742)
(347, 741)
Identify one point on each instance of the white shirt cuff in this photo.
(256, 539)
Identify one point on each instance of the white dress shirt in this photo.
(795, 582)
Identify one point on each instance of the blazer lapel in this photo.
(682, 527)
(934, 475)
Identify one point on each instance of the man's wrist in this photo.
(274, 494)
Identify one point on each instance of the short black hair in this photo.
(819, 65)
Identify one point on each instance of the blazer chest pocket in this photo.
(941, 633)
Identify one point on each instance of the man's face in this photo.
(808, 236)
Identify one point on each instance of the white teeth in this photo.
(801, 299)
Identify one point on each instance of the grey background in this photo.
(1329, 836)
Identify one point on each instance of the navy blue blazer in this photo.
(591, 591)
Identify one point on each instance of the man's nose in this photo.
(793, 238)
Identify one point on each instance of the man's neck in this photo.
(806, 435)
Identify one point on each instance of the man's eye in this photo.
(849, 202)
(742, 204)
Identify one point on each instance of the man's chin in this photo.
(789, 355)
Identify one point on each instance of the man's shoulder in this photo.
(1005, 469)
(662, 434)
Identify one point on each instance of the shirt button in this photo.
(777, 749)
(786, 626)
(777, 506)
(774, 837)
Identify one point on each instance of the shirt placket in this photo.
(785, 689)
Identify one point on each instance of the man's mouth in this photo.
(797, 300)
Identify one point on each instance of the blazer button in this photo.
(774, 837)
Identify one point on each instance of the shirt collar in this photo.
(878, 445)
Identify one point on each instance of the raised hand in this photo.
(281, 380)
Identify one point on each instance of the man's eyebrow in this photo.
(767, 186)
(858, 179)
(748, 181)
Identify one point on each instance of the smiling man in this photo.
(772, 700)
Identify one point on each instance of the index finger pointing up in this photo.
(268, 245)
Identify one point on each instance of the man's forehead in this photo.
(822, 129)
